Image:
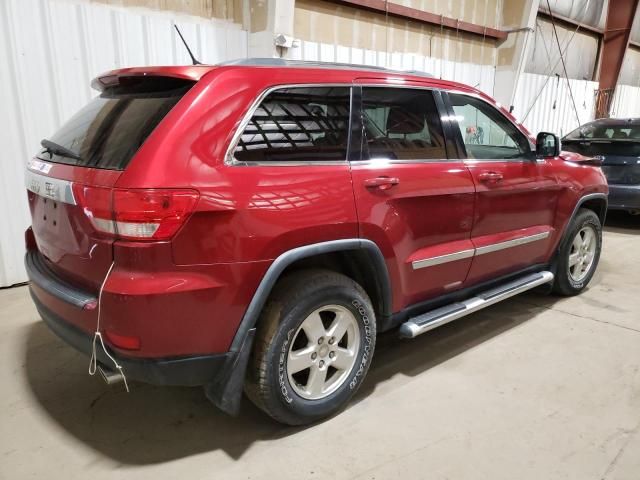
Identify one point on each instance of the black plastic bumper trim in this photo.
(41, 275)
(179, 371)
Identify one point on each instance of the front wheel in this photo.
(314, 345)
(579, 254)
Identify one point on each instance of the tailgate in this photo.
(64, 235)
(71, 180)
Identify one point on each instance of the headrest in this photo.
(401, 120)
(619, 134)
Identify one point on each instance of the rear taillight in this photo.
(136, 214)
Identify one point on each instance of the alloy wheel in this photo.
(323, 352)
(582, 253)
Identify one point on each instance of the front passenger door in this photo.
(516, 194)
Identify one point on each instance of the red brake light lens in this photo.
(124, 342)
(136, 214)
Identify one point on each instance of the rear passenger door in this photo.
(411, 199)
(516, 194)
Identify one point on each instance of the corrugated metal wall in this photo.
(49, 51)
(550, 103)
(480, 76)
(626, 102)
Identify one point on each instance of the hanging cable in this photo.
(564, 66)
(93, 361)
(556, 64)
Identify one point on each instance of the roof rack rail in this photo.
(282, 62)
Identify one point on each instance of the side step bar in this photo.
(435, 318)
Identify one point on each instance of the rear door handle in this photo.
(381, 183)
(490, 177)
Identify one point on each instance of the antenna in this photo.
(193, 59)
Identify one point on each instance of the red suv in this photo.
(254, 225)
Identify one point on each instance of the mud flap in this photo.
(225, 392)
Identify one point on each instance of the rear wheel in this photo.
(579, 254)
(314, 345)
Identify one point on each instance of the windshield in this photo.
(110, 129)
(624, 131)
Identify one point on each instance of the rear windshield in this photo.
(110, 129)
(589, 148)
(624, 131)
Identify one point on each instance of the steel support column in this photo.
(615, 42)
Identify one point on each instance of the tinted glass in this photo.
(486, 133)
(298, 124)
(110, 129)
(401, 123)
(603, 147)
(603, 131)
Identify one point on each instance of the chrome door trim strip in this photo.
(495, 247)
(473, 252)
(49, 187)
(450, 257)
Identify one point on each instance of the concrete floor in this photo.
(534, 388)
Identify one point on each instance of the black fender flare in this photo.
(225, 391)
(581, 201)
(563, 238)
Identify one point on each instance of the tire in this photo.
(288, 327)
(571, 280)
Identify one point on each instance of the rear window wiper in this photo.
(57, 149)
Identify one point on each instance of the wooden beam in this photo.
(420, 16)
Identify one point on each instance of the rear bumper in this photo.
(184, 371)
(624, 197)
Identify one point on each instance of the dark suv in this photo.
(617, 143)
(254, 227)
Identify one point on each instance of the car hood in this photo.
(581, 159)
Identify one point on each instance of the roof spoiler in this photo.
(113, 77)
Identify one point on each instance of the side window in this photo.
(298, 124)
(486, 133)
(401, 123)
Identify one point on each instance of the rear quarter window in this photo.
(110, 129)
(298, 124)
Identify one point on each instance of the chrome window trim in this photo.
(532, 146)
(390, 161)
(413, 160)
(474, 252)
(48, 187)
(230, 160)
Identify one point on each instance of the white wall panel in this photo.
(49, 52)
(550, 104)
(626, 102)
(479, 76)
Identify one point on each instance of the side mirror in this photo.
(547, 145)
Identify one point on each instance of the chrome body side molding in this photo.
(462, 254)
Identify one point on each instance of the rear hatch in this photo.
(620, 157)
(71, 180)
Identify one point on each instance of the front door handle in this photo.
(490, 177)
(381, 183)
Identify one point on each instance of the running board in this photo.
(435, 318)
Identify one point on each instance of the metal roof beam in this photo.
(615, 41)
(420, 16)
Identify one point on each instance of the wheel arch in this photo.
(225, 391)
(358, 253)
(596, 202)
